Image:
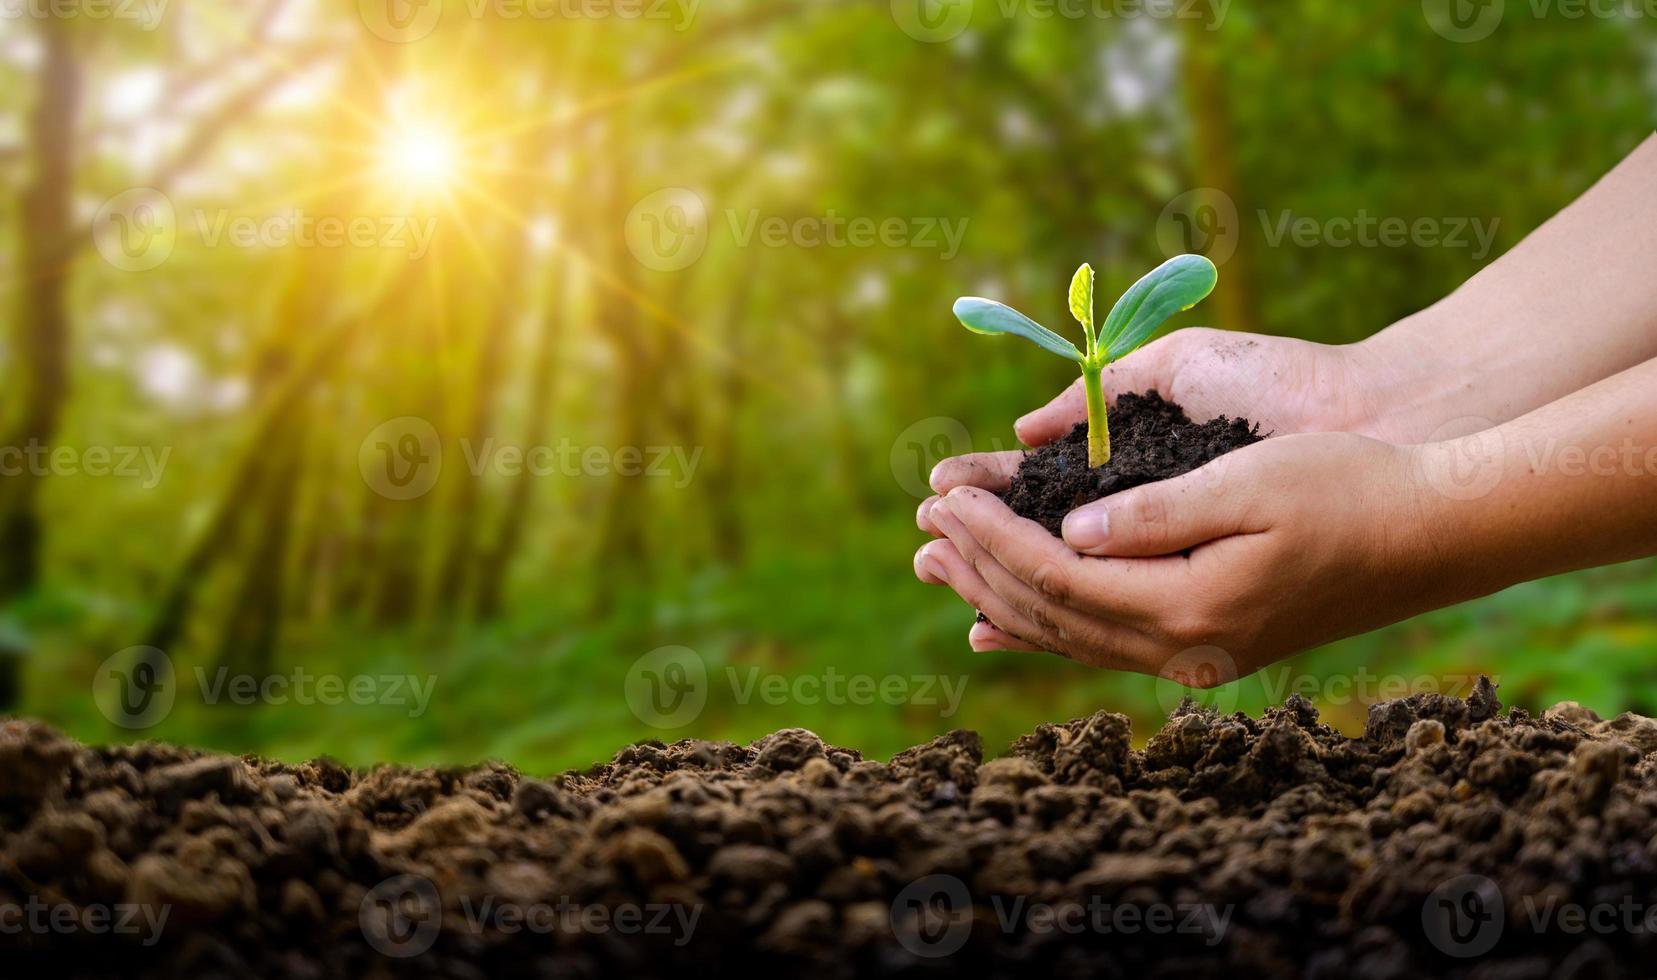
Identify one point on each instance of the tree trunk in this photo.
(1215, 166)
(41, 332)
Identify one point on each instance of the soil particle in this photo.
(1151, 440)
(1263, 846)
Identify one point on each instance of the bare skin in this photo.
(1506, 433)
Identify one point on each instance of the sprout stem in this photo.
(1098, 423)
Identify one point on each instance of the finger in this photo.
(944, 563)
(985, 638)
(991, 471)
(1088, 638)
(923, 519)
(1213, 502)
(1134, 593)
(1134, 373)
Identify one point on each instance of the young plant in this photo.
(1177, 284)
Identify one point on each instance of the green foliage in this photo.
(795, 367)
(1172, 287)
(1176, 285)
(986, 316)
(1081, 303)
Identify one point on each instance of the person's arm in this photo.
(1304, 539)
(1575, 302)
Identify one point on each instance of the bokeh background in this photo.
(287, 283)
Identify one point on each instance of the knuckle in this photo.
(1053, 581)
(1150, 517)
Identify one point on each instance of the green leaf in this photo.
(1177, 284)
(1081, 299)
(989, 317)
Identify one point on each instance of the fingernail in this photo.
(1086, 530)
(921, 512)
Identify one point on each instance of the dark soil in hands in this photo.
(1272, 847)
(1151, 439)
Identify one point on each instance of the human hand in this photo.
(1270, 550)
(1285, 385)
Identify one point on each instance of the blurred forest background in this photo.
(618, 228)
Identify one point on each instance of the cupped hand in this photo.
(1284, 385)
(1265, 552)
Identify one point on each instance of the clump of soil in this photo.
(1276, 846)
(1151, 439)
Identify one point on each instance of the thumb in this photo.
(1136, 372)
(1160, 518)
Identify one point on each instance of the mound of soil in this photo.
(1448, 839)
(1151, 439)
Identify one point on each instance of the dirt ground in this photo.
(1450, 838)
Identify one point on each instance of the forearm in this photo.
(1573, 303)
(1571, 485)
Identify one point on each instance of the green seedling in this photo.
(1177, 284)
